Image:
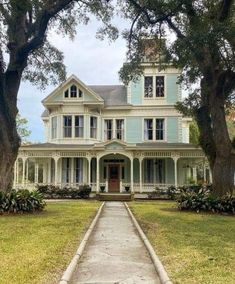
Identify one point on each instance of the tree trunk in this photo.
(223, 167)
(9, 139)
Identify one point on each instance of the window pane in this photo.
(78, 170)
(160, 170)
(80, 93)
(108, 129)
(148, 129)
(159, 86)
(148, 170)
(73, 91)
(148, 87)
(66, 94)
(159, 129)
(66, 170)
(78, 126)
(54, 127)
(67, 126)
(120, 129)
(93, 127)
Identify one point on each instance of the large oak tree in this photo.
(204, 47)
(25, 52)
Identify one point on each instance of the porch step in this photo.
(114, 196)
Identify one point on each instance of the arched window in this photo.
(73, 91)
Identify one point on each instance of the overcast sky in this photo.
(92, 60)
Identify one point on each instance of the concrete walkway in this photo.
(115, 252)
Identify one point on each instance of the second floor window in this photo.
(67, 125)
(148, 129)
(54, 127)
(120, 129)
(93, 127)
(154, 129)
(108, 129)
(78, 126)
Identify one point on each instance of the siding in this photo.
(136, 92)
(172, 130)
(172, 88)
(134, 130)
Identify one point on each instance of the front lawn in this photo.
(36, 248)
(194, 248)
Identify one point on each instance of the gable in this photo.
(63, 93)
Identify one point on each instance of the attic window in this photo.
(66, 94)
(80, 94)
(73, 91)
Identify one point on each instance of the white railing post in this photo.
(140, 173)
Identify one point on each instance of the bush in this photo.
(204, 201)
(54, 192)
(21, 201)
(164, 193)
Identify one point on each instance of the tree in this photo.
(193, 133)
(22, 127)
(204, 47)
(24, 26)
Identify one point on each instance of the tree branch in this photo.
(225, 9)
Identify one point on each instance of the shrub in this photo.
(204, 201)
(21, 201)
(54, 192)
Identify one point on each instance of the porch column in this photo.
(49, 171)
(140, 172)
(15, 173)
(56, 159)
(175, 159)
(97, 174)
(132, 176)
(72, 172)
(36, 172)
(44, 172)
(23, 174)
(27, 171)
(89, 170)
(195, 174)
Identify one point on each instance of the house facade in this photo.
(114, 136)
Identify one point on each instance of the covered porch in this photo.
(115, 169)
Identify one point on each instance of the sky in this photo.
(93, 61)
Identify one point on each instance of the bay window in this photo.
(54, 127)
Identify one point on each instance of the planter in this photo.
(127, 188)
(102, 188)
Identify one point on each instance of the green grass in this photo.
(194, 248)
(37, 248)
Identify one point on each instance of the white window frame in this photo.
(154, 97)
(79, 128)
(106, 131)
(114, 129)
(79, 93)
(54, 127)
(95, 129)
(121, 131)
(154, 129)
(65, 128)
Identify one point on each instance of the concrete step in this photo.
(114, 196)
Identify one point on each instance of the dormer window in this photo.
(73, 91)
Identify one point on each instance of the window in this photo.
(148, 172)
(54, 127)
(80, 94)
(78, 126)
(66, 170)
(120, 129)
(108, 129)
(78, 170)
(159, 129)
(66, 94)
(160, 170)
(148, 87)
(67, 126)
(148, 129)
(93, 127)
(73, 91)
(159, 86)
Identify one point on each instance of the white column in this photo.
(72, 172)
(49, 171)
(132, 175)
(195, 174)
(23, 174)
(140, 173)
(56, 170)
(89, 171)
(15, 173)
(210, 176)
(175, 159)
(27, 171)
(36, 172)
(97, 174)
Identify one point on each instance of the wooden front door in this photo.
(114, 181)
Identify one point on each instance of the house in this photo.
(114, 136)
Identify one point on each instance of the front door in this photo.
(114, 181)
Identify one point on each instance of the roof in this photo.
(113, 95)
(45, 113)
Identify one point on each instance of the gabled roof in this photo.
(76, 79)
